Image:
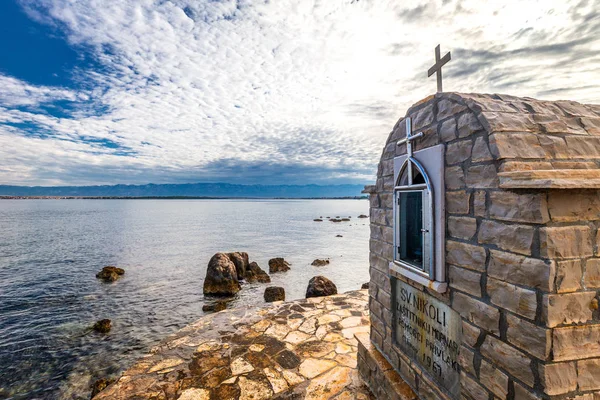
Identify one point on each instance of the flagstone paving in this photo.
(302, 349)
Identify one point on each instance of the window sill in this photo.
(399, 270)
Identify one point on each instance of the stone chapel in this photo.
(484, 252)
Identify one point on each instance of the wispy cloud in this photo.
(273, 91)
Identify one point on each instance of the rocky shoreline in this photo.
(302, 349)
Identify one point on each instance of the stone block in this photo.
(567, 308)
(470, 333)
(528, 337)
(457, 202)
(591, 278)
(465, 280)
(509, 358)
(568, 276)
(465, 255)
(516, 207)
(458, 152)
(583, 146)
(521, 270)
(554, 146)
(511, 166)
(477, 312)
(379, 216)
(559, 378)
(566, 242)
(454, 178)
(588, 374)
(480, 151)
(569, 343)
(462, 227)
(515, 238)
(522, 393)
(591, 125)
(508, 122)
(516, 145)
(447, 108)
(493, 379)
(472, 388)
(479, 203)
(482, 176)
(448, 130)
(465, 360)
(387, 167)
(513, 298)
(422, 118)
(468, 124)
(569, 205)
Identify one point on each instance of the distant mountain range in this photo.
(188, 190)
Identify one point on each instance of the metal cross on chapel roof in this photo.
(437, 67)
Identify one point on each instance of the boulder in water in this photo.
(320, 286)
(110, 273)
(100, 385)
(102, 326)
(214, 307)
(278, 265)
(274, 293)
(319, 263)
(221, 276)
(363, 216)
(254, 273)
(240, 260)
(318, 220)
(365, 285)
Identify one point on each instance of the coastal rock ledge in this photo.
(304, 349)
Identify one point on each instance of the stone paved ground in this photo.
(296, 350)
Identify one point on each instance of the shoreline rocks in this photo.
(278, 264)
(100, 385)
(320, 263)
(221, 277)
(215, 307)
(254, 273)
(110, 273)
(274, 293)
(102, 326)
(320, 286)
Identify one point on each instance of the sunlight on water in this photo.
(50, 251)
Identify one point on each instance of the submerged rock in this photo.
(319, 263)
(110, 273)
(102, 326)
(278, 265)
(318, 220)
(363, 216)
(215, 307)
(320, 286)
(100, 385)
(335, 220)
(221, 276)
(240, 260)
(274, 293)
(345, 219)
(338, 236)
(254, 273)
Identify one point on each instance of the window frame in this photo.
(427, 215)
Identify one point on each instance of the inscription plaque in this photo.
(429, 332)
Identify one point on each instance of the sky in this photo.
(259, 92)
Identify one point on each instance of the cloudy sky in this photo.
(272, 91)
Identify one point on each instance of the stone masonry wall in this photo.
(523, 265)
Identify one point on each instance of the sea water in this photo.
(50, 251)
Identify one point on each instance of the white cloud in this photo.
(255, 88)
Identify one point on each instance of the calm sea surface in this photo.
(50, 251)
